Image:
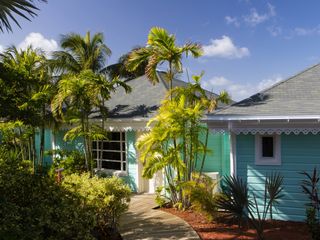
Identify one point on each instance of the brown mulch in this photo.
(275, 230)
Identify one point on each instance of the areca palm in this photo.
(22, 8)
(161, 48)
(81, 53)
(78, 96)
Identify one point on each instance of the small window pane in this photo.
(111, 165)
(111, 146)
(94, 154)
(111, 156)
(267, 147)
(124, 167)
(114, 136)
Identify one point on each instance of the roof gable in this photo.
(298, 95)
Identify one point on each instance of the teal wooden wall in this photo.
(298, 153)
(219, 158)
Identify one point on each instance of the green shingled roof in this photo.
(296, 96)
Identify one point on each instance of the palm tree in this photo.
(161, 48)
(119, 69)
(81, 53)
(79, 95)
(82, 88)
(22, 8)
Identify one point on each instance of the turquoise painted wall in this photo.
(219, 158)
(131, 179)
(47, 146)
(77, 144)
(298, 153)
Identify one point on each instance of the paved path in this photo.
(144, 222)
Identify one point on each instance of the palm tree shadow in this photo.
(126, 111)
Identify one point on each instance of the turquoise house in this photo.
(276, 130)
(127, 120)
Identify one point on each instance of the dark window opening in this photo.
(268, 147)
(111, 152)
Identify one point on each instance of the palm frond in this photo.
(22, 8)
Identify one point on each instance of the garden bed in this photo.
(275, 230)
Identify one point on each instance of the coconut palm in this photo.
(161, 49)
(81, 53)
(22, 8)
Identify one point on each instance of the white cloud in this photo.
(266, 83)
(239, 91)
(216, 81)
(37, 40)
(224, 48)
(232, 21)
(274, 31)
(254, 18)
(1, 48)
(299, 31)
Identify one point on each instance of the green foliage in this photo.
(35, 207)
(273, 191)
(71, 161)
(310, 187)
(236, 200)
(161, 198)
(204, 196)
(313, 223)
(109, 197)
(175, 142)
(161, 48)
(22, 8)
(239, 205)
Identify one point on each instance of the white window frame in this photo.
(122, 160)
(276, 159)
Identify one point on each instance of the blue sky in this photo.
(248, 44)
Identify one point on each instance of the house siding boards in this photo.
(298, 153)
(218, 160)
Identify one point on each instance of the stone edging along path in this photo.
(144, 222)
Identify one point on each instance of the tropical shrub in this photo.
(108, 198)
(35, 207)
(204, 197)
(71, 161)
(310, 188)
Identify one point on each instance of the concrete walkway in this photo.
(144, 222)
